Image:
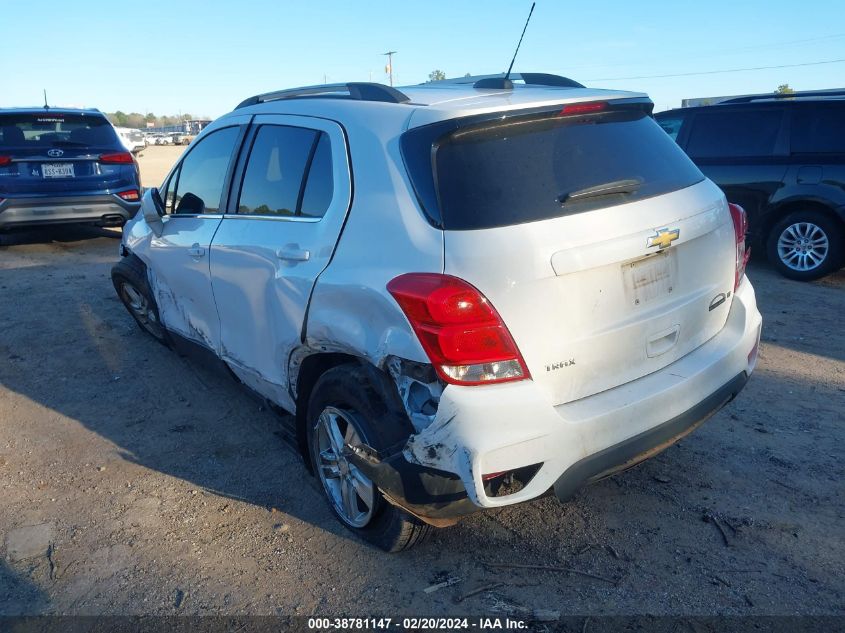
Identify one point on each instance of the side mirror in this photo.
(190, 204)
(153, 209)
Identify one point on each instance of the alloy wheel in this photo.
(140, 308)
(350, 491)
(803, 246)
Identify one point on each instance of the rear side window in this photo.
(48, 129)
(200, 178)
(734, 133)
(288, 173)
(319, 189)
(818, 130)
(527, 168)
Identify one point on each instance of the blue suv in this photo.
(62, 166)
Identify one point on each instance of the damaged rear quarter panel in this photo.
(386, 235)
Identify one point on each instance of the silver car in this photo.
(467, 293)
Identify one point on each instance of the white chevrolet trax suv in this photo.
(468, 293)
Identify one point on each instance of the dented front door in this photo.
(193, 193)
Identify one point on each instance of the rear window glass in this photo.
(526, 169)
(818, 130)
(46, 129)
(734, 134)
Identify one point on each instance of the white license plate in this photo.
(57, 170)
(650, 278)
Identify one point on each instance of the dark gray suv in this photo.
(783, 160)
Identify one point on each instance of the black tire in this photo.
(350, 389)
(129, 277)
(796, 224)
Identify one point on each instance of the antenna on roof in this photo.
(510, 68)
(505, 83)
(46, 107)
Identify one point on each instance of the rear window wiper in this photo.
(617, 187)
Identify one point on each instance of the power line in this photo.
(787, 42)
(705, 54)
(716, 72)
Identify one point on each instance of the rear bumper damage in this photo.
(454, 466)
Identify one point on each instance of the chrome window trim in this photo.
(282, 218)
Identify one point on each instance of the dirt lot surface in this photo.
(134, 482)
(156, 161)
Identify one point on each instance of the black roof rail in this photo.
(786, 95)
(498, 81)
(359, 91)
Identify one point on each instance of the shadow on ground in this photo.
(66, 233)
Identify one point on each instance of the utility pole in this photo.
(389, 68)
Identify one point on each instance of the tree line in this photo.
(138, 120)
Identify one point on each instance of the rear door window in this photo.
(527, 168)
(819, 129)
(734, 133)
(319, 189)
(289, 173)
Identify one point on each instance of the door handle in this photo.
(196, 251)
(293, 254)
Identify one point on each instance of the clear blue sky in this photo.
(203, 57)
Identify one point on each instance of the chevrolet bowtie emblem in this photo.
(663, 238)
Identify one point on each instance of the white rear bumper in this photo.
(481, 430)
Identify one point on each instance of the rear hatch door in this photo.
(600, 244)
(57, 153)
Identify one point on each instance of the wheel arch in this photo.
(313, 366)
(310, 369)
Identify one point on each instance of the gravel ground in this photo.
(156, 161)
(133, 481)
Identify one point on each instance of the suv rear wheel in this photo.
(805, 245)
(345, 409)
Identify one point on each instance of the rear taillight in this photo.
(740, 220)
(117, 158)
(5, 160)
(131, 195)
(459, 329)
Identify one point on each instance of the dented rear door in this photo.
(294, 194)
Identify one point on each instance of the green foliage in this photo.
(118, 118)
(138, 120)
(784, 89)
(436, 75)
